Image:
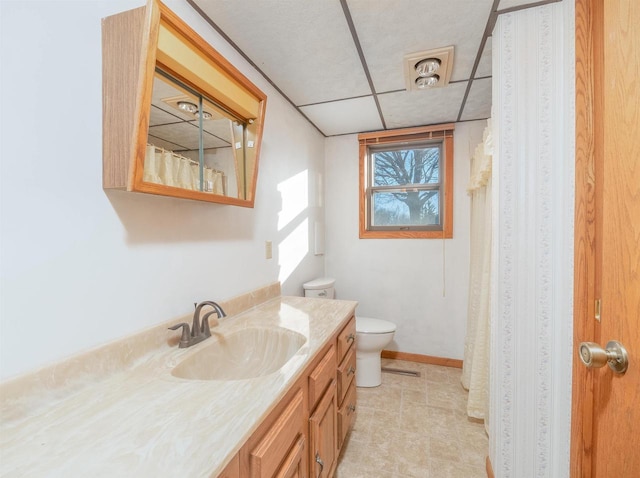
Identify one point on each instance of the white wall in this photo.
(533, 198)
(81, 266)
(401, 280)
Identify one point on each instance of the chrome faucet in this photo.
(199, 330)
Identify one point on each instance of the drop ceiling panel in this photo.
(304, 47)
(160, 116)
(484, 67)
(389, 30)
(439, 105)
(343, 117)
(478, 104)
(220, 128)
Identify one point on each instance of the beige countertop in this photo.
(136, 419)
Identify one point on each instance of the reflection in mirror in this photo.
(194, 151)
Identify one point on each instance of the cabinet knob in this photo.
(351, 337)
(350, 370)
(352, 407)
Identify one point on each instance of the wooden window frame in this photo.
(409, 136)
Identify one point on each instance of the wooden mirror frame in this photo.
(133, 44)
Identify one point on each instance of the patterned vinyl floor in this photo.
(414, 427)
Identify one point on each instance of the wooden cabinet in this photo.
(178, 119)
(232, 470)
(323, 374)
(346, 373)
(346, 338)
(303, 434)
(280, 452)
(346, 393)
(294, 464)
(347, 414)
(323, 432)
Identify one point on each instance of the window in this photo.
(406, 183)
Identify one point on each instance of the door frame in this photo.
(589, 62)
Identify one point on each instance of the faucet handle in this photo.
(184, 339)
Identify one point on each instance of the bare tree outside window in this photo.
(406, 186)
(406, 183)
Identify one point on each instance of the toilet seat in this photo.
(368, 325)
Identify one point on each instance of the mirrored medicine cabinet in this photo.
(178, 119)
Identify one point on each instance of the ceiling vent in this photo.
(428, 69)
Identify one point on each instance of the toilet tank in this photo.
(321, 288)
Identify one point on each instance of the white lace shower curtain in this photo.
(475, 369)
(171, 169)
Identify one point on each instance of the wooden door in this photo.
(606, 406)
(323, 432)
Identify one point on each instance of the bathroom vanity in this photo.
(126, 409)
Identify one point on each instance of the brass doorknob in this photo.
(594, 356)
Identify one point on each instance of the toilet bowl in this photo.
(372, 335)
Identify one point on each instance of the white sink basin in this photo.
(247, 353)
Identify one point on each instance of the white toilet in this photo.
(372, 335)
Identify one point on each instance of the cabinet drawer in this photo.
(321, 377)
(347, 414)
(266, 457)
(346, 338)
(346, 372)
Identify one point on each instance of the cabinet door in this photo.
(267, 457)
(293, 466)
(324, 435)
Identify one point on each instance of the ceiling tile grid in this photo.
(439, 105)
(504, 4)
(388, 30)
(484, 67)
(304, 47)
(478, 104)
(308, 50)
(343, 117)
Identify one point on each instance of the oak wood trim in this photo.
(419, 358)
(175, 22)
(448, 189)
(587, 230)
(144, 90)
(163, 190)
(121, 53)
(489, 469)
(376, 135)
(401, 135)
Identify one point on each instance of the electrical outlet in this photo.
(268, 250)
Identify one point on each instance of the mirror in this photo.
(178, 119)
(188, 150)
